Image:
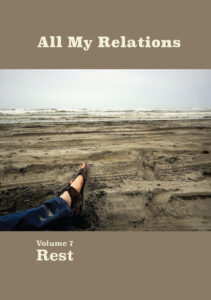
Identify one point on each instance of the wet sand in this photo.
(144, 175)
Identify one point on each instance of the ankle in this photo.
(78, 183)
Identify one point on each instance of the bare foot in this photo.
(77, 184)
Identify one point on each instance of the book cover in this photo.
(105, 118)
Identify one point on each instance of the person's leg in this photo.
(76, 184)
(55, 214)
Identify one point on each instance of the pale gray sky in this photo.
(104, 89)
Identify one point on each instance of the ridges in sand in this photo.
(140, 178)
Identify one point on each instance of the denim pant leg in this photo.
(55, 214)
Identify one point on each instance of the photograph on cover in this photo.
(105, 150)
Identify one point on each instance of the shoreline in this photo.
(90, 116)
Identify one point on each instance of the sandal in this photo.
(78, 199)
(84, 173)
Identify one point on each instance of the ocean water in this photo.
(83, 115)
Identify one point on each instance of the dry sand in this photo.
(144, 175)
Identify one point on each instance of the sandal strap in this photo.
(83, 172)
(76, 198)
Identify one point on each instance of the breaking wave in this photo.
(77, 115)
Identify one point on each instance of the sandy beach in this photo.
(144, 174)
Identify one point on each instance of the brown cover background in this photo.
(23, 22)
(107, 265)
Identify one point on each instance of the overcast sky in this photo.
(104, 89)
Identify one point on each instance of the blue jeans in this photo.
(55, 214)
